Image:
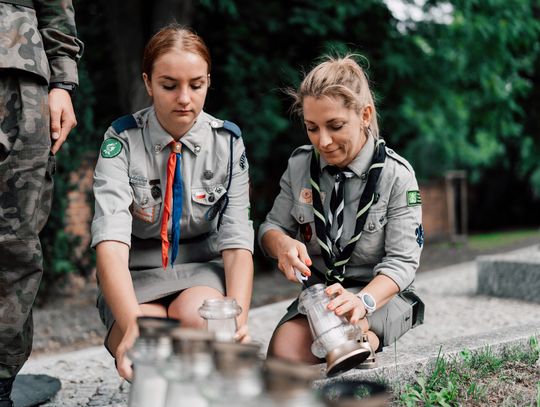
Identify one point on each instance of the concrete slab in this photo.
(510, 276)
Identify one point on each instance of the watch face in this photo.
(368, 300)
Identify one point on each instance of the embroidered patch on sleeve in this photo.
(414, 198)
(419, 232)
(110, 148)
(243, 161)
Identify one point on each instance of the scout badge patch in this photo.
(419, 235)
(243, 161)
(306, 196)
(414, 198)
(147, 215)
(110, 148)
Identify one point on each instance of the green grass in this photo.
(460, 379)
(494, 240)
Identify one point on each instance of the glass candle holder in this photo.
(220, 317)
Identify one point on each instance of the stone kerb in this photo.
(398, 367)
(510, 275)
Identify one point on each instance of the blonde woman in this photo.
(348, 215)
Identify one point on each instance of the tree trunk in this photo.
(131, 24)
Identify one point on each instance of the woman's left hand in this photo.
(345, 303)
(242, 334)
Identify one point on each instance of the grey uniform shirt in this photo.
(389, 244)
(129, 188)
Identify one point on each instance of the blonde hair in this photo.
(338, 77)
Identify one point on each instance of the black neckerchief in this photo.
(335, 262)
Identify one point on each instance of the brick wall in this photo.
(79, 211)
(435, 209)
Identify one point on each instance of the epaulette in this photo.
(124, 123)
(232, 128)
(398, 158)
(302, 149)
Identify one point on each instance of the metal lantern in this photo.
(335, 339)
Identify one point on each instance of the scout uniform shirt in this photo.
(392, 237)
(129, 188)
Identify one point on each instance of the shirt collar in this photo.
(195, 137)
(361, 162)
(160, 138)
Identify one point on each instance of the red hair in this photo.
(169, 37)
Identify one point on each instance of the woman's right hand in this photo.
(292, 255)
(123, 363)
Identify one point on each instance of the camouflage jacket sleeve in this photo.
(56, 23)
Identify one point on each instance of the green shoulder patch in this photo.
(414, 198)
(111, 148)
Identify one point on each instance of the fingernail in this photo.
(55, 136)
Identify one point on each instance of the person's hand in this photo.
(123, 363)
(291, 255)
(62, 117)
(242, 334)
(345, 303)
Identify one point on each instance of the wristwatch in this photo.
(67, 86)
(368, 301)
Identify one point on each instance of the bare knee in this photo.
(292, 341)
(186, 306)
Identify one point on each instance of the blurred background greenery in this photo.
(457, 86)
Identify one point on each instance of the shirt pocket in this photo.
(145, 208)
(370, 247)
(207, 202)
(304, 216)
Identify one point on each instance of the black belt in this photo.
(24, 3)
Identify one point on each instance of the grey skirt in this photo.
(194, 266)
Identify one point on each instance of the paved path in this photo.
(453, 311)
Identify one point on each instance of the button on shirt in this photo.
(388, 243)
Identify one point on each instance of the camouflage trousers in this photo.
(26, 169)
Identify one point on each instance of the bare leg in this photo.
(186, 306)
(292, 341)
